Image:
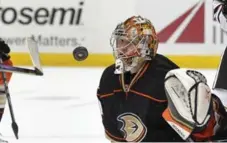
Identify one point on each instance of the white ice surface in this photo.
(60, 107)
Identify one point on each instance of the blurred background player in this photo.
(220, 12)
(131, 91)
(4, 55)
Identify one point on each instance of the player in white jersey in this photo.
(220, 12)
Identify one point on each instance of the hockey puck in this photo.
(80, 53)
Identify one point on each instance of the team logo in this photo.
(133, 128)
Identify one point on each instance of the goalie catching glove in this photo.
(191, 111)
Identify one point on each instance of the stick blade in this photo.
(15, 129)
(34, 54)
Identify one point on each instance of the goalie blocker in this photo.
(193, 111)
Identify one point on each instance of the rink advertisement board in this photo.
(187, 34)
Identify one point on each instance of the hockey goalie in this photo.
(132, 94)
(194, 112)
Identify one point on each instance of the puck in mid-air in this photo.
(80, 53)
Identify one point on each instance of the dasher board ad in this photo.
(61, 26)
(186, 29)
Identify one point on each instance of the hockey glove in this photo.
(4, 50)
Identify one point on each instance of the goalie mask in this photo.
(133, 41)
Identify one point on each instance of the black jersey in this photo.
(136, 115)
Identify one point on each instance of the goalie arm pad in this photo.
(189, 101)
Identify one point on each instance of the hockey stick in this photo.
(35, 71)
(14, 124)
(34, 55)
